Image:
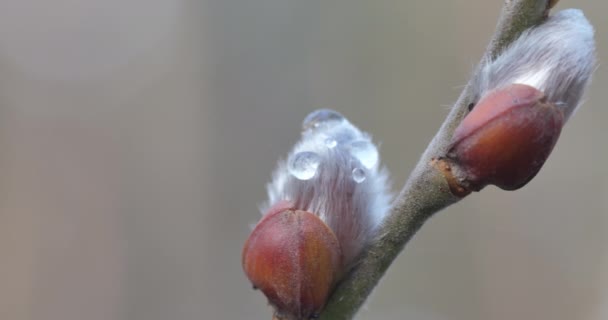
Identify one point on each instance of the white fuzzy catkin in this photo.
(557, 57)
(334, 172)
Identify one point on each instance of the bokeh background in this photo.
(137, 136)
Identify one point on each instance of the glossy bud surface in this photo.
(505, 139)
(293, 258)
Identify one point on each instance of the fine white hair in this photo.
(557, 57)
(334, 172)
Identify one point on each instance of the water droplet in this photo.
(322, 116)
(303, 165)
(331, 143)
(358, 175)
(365, 152)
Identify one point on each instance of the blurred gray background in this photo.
(137, 136)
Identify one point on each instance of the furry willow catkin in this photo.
(556, 57)
(324, 203)
(523, 98)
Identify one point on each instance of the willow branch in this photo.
(426, 190)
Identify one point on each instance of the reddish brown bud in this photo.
(293, 258)
(505, 140)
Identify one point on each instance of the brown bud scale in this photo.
(505, 139)
(293, 258)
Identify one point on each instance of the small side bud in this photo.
(504, 141)
(522, 98)
(293, 258)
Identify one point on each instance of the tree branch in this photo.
(426, 191)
